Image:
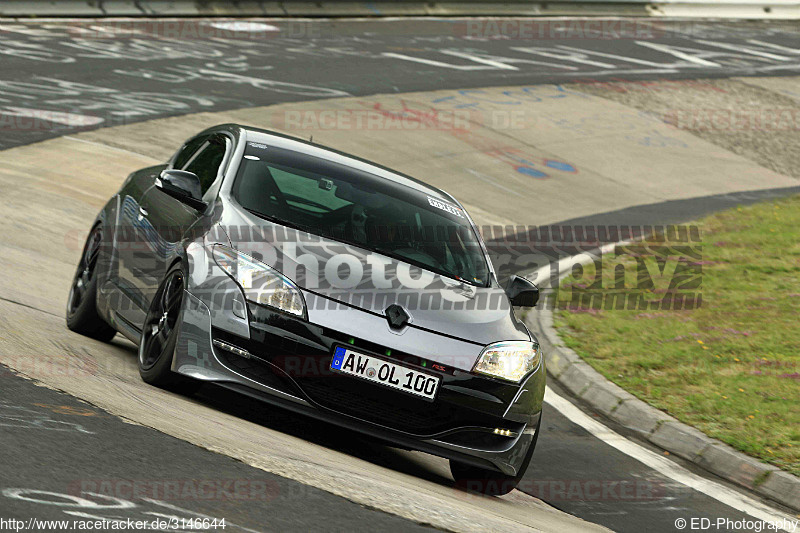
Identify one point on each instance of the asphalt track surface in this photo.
(69, 448)
(121, 72)
(91, 82)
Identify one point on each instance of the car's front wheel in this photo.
(491, 482)
(160, 335)
(82, 315)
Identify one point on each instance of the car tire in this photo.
(491, 482)
(160, 335)
(82, 315)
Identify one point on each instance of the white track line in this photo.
(541, 276)
(664, 466)
(670, 469)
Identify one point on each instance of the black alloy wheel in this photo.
(82, 315)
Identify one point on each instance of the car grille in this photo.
(373, 403)
(348, 395)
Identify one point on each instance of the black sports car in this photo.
(326, 284)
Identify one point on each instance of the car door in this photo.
(165, 219)
(138, 249)
(126, 242)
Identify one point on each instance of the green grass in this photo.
(731, 367)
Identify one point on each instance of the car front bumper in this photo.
(285, 361)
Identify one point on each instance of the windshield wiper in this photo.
(423, 266)
(276, 220)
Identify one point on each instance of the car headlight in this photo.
(262, 284)
(510, 360)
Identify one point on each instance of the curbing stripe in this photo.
(657, 427)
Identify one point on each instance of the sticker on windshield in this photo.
(257, 145)
(445, 207)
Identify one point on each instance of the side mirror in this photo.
(183, 186)
(522, 292)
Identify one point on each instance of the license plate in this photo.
(385, 373)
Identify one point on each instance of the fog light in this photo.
(505, 432)
(231, 348)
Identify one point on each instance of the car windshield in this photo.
(350, 205)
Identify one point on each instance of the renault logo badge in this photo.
(397, 316)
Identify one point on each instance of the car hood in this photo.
(372, 282)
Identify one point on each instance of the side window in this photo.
(205, 163)
(186, 152)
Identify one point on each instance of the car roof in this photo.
(288, 142)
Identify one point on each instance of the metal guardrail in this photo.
(761, 9)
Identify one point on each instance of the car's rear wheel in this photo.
(491, 482)
(160, 335)
(82, 315)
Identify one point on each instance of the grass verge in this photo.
(731, 367)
